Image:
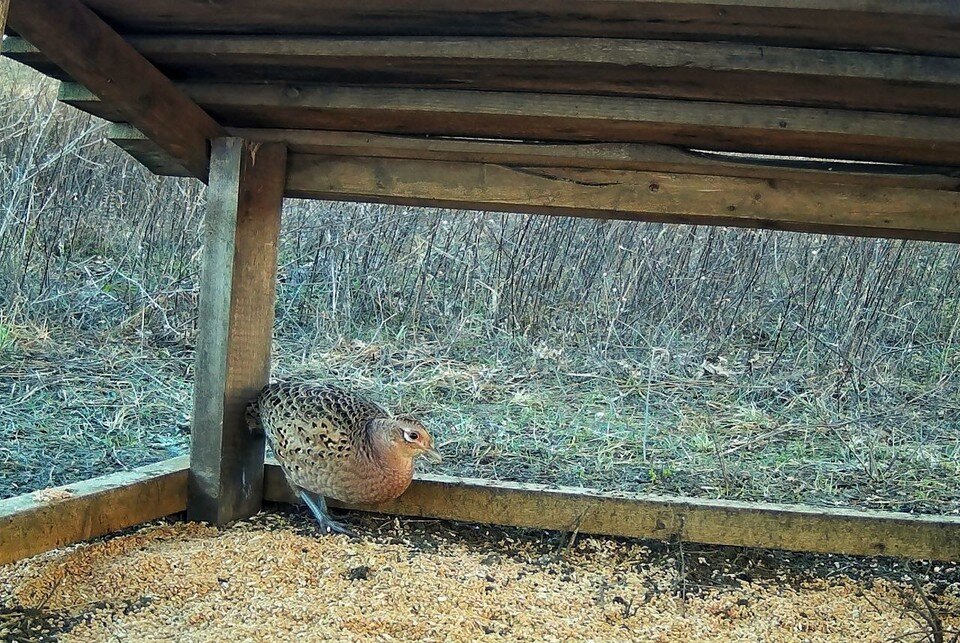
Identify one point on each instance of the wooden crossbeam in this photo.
(92, 53)
(633, 195)
(718, 522)
(613, 156)
(44, 520)
(728, 72)
(929, 26)
(821, 133)
(237, 293)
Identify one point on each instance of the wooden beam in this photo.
(929, 26)
(843, 134)
(614, 156)
(237, 293)
(4, 10)
(44, 520)
(727, 72)
(82, 44)
(717, 522)
(633, 195)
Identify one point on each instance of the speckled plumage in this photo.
(333, 442)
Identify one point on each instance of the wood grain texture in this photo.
(838, 134)
(714, 71)
(929, 26)
(614, 156)
(717, 522)
(237, 293)
(40, 521)
(633, 195)
(4, 10)
(80, 43)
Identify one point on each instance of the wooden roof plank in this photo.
(92, 53)
(928, 26)
(727, 72)
(840, 134)
(633, 195)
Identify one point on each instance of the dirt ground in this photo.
(274, 578)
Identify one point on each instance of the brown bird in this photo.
(335, 443)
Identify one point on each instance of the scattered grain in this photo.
(272, 578)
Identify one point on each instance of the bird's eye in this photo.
(413, 436)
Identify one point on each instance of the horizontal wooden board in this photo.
(633, 195)
(726, 72)
(927, 26)
(840, 134)
(614, 156)
(40, 521)
(718, 522)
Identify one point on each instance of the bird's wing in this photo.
(315, 420)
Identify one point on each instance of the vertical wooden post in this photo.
(4, 8)
(237, 294)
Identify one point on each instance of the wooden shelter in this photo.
(716, 112)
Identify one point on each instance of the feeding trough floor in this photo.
(275, 578)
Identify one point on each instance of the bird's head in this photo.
(409, 438)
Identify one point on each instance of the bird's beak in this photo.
(433, 456)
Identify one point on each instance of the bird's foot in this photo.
(331, 526)
(318, 507)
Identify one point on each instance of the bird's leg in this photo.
(318, 507)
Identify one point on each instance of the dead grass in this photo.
(711, 362)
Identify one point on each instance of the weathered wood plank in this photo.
(633, 195)
(718, 522)
(136, 144)
(823, 133)
(614, 156)
(726, 72)
(93, 54)
(237, 293)
(40, 521)
(928, 26)
(4, 10)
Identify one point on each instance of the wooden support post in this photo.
(237, 293)
(4, 8)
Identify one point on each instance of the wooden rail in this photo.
(633, 196)
(718, 522)
(44, 520)
(609, 156)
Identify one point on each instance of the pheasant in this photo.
(335, 443)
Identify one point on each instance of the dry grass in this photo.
(719, 363)
(275, 579)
